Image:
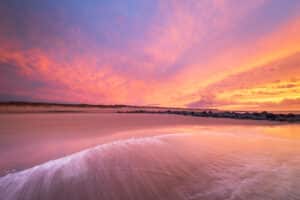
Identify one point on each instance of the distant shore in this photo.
(229, 114)
(40, 107)
(44, 107)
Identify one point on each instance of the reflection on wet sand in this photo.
(229, 161)
(205, 165)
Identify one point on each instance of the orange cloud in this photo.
(278, 45)
(259, 87)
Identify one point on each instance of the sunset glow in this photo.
(224, 54)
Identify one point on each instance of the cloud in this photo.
(266, 85)
(195, 53)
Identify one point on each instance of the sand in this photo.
(146, 156)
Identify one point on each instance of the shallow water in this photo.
(175, 160)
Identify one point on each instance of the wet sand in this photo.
(146, 156)
(49, 136)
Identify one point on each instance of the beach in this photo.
(146, 156)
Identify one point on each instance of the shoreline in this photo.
(267, 116)
(58, 108)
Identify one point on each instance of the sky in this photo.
(225, 54)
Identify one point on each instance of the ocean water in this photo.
(175, 160)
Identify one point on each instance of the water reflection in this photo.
(51, 136)
(184, 163)
(173, 160)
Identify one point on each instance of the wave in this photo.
(177, 166)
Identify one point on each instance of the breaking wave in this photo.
(177, 166)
